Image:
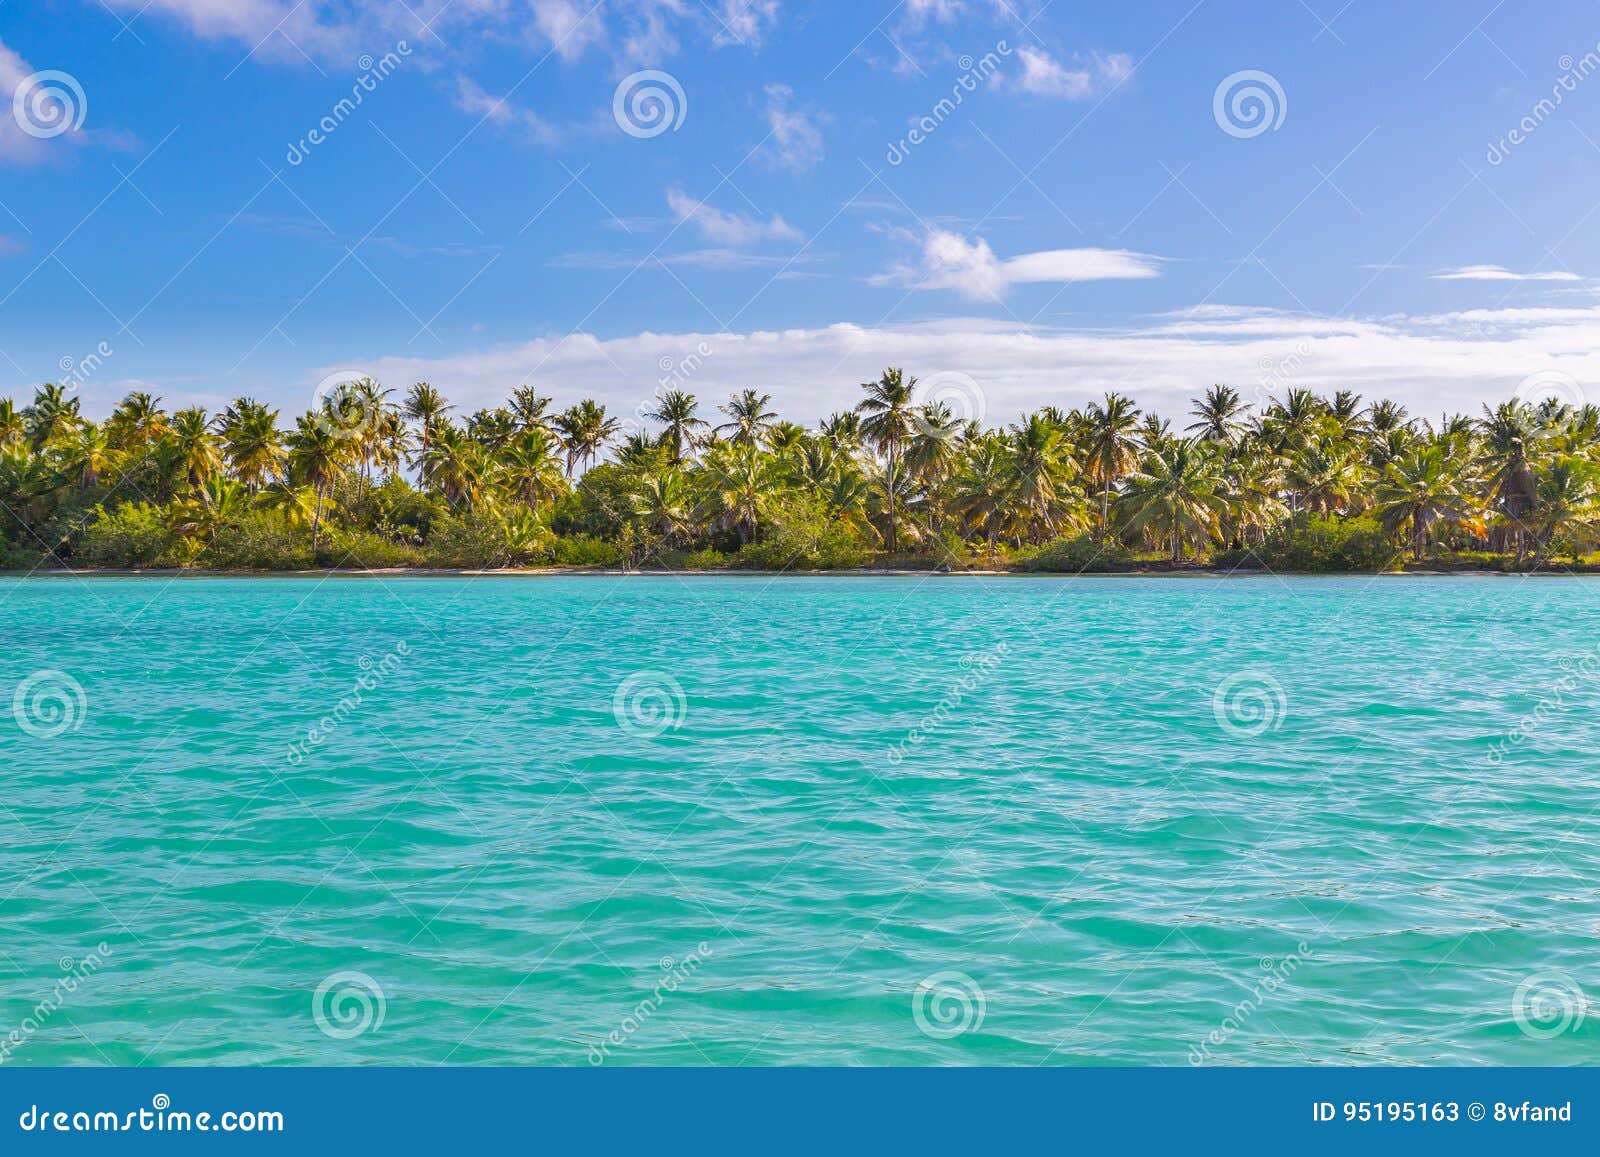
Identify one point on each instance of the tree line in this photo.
(368, 478)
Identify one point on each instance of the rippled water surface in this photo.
(807, 820)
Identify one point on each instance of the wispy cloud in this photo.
(472, 98)
(1500, 273)
(1088, 76)
(795, 142)
(724, 228)
(972, 269)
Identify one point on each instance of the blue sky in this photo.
(1087, 217)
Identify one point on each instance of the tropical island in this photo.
(365, 480)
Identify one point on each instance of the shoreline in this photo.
(857, 572)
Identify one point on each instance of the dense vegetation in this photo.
(367, 480)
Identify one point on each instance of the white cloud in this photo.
(744, 21)
(796, 141)
(1499, 273)
(724, 228)
(471, 98)
(1435, 364)
(1090, 76)
(971, 268)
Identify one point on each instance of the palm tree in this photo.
(217, 503)
(1511, 434)
(1039, 470)
(528, 407)
(1177, 494)
(665, 503)
(1219, 416)
(1110, 449)
(317, 458)
(529, 468)
(427, 407)
(87, 453)
(1425, 487)
(748, 417)
(50, 416)
(739, 482)
(675, 410)
(1566, 499)
(251, 442)
(886, 423)
(585, 430)
(194, 446)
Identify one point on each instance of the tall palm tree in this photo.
(252, 442)
(1176, 494)
(318, 458)
(1566, 499)
(529, 468)
(528, 406)
(675, 410)
(1511, 435)
(1219, 416)
(194, 445)
(585, 430)
(50, 416)
(886, 414)
(425, 406)
(1110, 448)
(1424, 488)
(748, 418)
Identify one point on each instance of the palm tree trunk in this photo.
(893, 538)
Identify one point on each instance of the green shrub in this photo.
(708, 558)
(1079, 554)
(364, 550)
(261, 540)
(1329, 544)
(585, 550)
(802, 534)
(132, 535)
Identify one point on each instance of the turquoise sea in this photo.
(833, 820)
